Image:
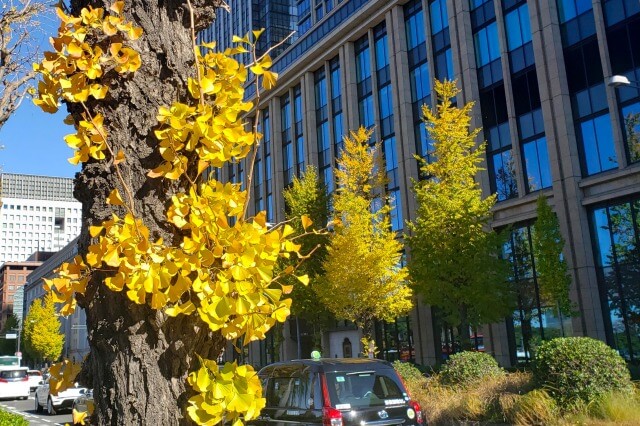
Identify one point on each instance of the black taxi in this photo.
(336, 392)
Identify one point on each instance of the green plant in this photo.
(468, 367)
(11, 419)
(578, 370)
(408, 371)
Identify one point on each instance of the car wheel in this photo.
(38, 406)
(50, 409)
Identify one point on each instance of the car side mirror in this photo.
(41, 382)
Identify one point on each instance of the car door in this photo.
(42, 392)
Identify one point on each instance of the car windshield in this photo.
(13, 374)
(34, 373)
(364, 389)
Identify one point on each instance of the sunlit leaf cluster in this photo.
(63, 375)
(231, 393)
(72, 71)
(220, 266)
(210, 128)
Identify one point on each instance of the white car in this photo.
(62, 401)
(14, 383)
(35, 377)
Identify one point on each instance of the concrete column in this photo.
(309, 107)
(351, 92)
(275, 115)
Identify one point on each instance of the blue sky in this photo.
(33, 143)
(32, 139)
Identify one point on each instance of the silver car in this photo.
(54, 403)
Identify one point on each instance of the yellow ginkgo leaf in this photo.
(306, 221)
(114, 197)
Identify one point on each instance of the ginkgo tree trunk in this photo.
(169, 266)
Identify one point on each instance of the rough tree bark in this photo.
(139, 357)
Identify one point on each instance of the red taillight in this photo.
(25, 379)
(416, 408)
(331, 417)
(4, 381)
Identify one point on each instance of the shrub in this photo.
(11, 419)
(577, 370)
(409, 372)
(465, 368)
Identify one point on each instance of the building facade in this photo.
(13, 276)
(277, 17)
(38, 213)
(537, 71)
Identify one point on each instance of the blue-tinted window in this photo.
(363, 80)
(385, 115)
(486, 44)
(322, 129)
(287, 148)
(482, 11)
(504, 183)
(597, 145)
(268, 172)
(615, 230)
(439, 16)
(336, 107)
(536, 164)
(299, 133)
(618, 10)
(533, 320)
(304, 25)
(419, 76)
(631, 125)
(570, 9)
(441, 40)
(576, 19)
(414, 24)
(624, 52)
(487, 51)
(518, 27)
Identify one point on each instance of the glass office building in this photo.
(537, 73)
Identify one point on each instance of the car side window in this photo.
(290, 392)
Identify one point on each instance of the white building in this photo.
(38, 213)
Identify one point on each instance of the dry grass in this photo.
(513, 400)
(444, 405)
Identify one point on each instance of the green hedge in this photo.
(468, 367)
(580, 369)
(407, 370)
(10, 419)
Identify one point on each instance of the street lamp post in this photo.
(617, 81)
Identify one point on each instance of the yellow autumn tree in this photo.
(364, 279)
(170, 268)
(43, 340)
